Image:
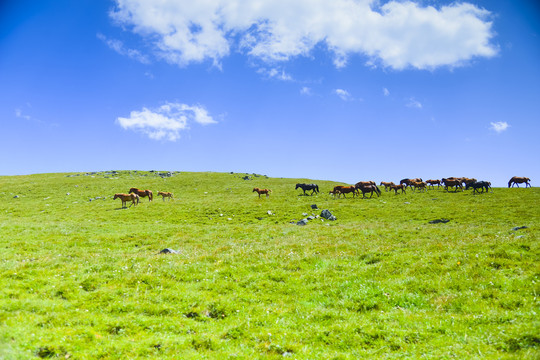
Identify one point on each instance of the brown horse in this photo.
(341, 189)
(434, 182)
(398, 187)
(165, 195)
(516, 180)
(142, 193)
(407, 182)
(262, 191)
(127, 197)
(386, 185)
(421, 185)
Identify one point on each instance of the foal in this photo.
(166, 195)
(262, 191)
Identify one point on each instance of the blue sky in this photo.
(340, 90)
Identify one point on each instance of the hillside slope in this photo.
(83, 278)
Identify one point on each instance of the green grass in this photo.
(84, 279)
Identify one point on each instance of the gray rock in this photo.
(169, 251)
(311, 218)
(302, 222)
(519, 228)
(328, 215)
(314, 207)
(438, 221)
(16, 197)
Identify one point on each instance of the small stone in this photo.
(302, 222)
(169, 251)
(438, 221)
(519, 228)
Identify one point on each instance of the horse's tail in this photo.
(377, 189)
(317, 188)
(510, 182)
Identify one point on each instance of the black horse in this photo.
(477, 185)
(313, 187)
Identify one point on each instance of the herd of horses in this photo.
(370, 187)
(364, 187)
(135, 194)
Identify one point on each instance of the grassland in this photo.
(84, 279)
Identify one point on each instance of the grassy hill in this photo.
(82, 278)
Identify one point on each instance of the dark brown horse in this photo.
(368, 189)
(452, 182)
(262, 191)
(127, 197)
(142, 193)
(398, 187)
(434, 182)
(519, 180)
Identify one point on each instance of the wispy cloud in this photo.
(413, 103)
(343, 94)
(306, 91)
(119, 47)
(19, 114)
(166, 121)
(499, 126)
(394, 34)
(275, 73)
(386, 92)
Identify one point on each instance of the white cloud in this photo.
(413, 103)
(343, 94)
(499, 126)
(395, 34)
(119, 47)
(306, 91)
(386, 92)
(165, 122)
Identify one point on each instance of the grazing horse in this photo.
(313, 187)
(341, 189)
(127, 197)
(516, 180)
(165, 195)
(452, 182)
(368, 189)
(398, 187)
(434, 182)
(386, 185)
(480, 185)
(142, 193)
(262, 191)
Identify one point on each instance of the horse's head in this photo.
(297, 186)
(255, 189)
(115, 196)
